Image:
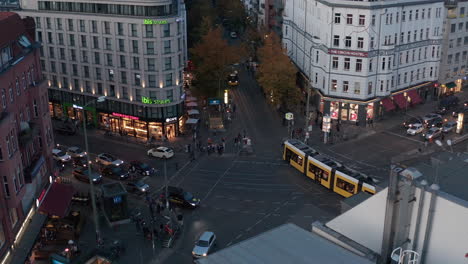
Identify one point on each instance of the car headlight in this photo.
(193, 252)
(94, 180)
(204, 254)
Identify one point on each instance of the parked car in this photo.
(415, 129)
(60, 156)
(76, 152)
(449, 126)
(204, 245)
(430, 117)
(432, 133)
(141, 168)
(178, 196)
(113, 171)
(442, 111)
(412, 121)
(233, 34)
(82, 174)
(108, 159)
(161, 152)
(80, 162)
(437, 122)
(138, 186)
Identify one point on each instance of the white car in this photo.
(61, 156)
(75, 152)
(204, 245)
(108, 159)
(415, 129)
(161, 152)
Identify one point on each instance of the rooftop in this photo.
(287, 243)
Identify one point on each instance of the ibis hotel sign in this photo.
(154, 22)
(147, 100)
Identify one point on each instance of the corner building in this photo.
(26, 137)
(365, 58)
(132, 52)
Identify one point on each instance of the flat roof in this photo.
(284, 244)
(448, 170)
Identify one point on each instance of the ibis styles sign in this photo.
(147, 100)
(154, 22)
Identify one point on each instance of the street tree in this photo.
(235, 13)
(203, 28)
(277, 74)
(212, 57)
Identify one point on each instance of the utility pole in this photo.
(165, 183)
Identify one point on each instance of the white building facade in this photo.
(132, 52)
(453, 63)
(366, 57)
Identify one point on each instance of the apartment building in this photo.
(453, 62)
(132, 52)
(366, 57)
(26, 137)
(266, 14)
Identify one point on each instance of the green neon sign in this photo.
(154, 22)
(147, 100)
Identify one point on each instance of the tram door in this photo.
(287, 154)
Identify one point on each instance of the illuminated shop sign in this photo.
(171, 119)
(154, 22)
(126, 116)
(347, 53)
(147, 100)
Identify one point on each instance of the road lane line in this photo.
(219, 179)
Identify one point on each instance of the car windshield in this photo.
(77, 150)
(139, 184)
(168, 150)
(188, 196)
(202, 243)
(117, 170)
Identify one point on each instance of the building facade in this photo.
(26, 137)
(453, 75)
(266, 14)
(132, 52)
(366, 57)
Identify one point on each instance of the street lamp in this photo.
(100, 99)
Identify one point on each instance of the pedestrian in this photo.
(235, 141)
(337, 127)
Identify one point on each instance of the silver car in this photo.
(61, 156)
(432, 133)
(449, 126)
(75, 152)
(204, 245)
(108, 159)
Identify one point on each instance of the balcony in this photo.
(27, 132)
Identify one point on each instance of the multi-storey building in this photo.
(26, 137)
(365, 57)
(452, 76)
(266, 13)
(132, 52)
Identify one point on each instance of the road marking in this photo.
(398, 135)
(261, 213)
(248, 229)
(219, 179)
(245, 212)
(308, 216)
(277, 202)
(248, 201)
(238, 236)
(276, 215)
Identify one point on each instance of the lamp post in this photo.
(91, 184)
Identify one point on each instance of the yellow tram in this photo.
(325, 171)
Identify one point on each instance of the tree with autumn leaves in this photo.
(212, 57)
(277, 74)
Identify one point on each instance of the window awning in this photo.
(415, 98)
(388, 104)
(450, 85)
(192, 121)
(400, 100)
(57, 200)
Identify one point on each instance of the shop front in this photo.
(349, 111)
(76, 112)
(451, 87)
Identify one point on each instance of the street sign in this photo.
(289, 116)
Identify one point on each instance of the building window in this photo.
(149, 47)
(369, 88)
(10, 90)
(110, 75)
(106, 27)
(167, 63)
(371, 44)
(13, 217)
(70, 24)
(98, 74)
(347, 63)
(166, 30)
(335, 63)
(94, 26)
(334, 84)
(167, 46)
(348, 42)
(135, 46)
(349, 19)
(6, 187)
(121, 45)
(136, 63)
(357, 88)
(123, 62)
(345, 86)
(4, 98)
(120, 29)
(151, 64)
(362, 20)
(123, 77)
(108, 43)
(149, 31)
(134, 30)
(358, 65)
(109, 59)
(336, 40)
(373, 20)
(169, 79)
(370, 65)
(137, 79)
(337, 18)
(97, 58)
(360, 43)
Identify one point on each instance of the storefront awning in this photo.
(415, 98)
(57, 200)
(192, 121)
(193, 112)
(450, 85)
(192, 104)
(190, 98)
(388, 104)
(400, 100)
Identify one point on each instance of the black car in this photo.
(142, 168)
(82, 174)
(116, 172)
(80, 162)
(179, 197)
(437, 122)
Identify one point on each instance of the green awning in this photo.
(450, 85)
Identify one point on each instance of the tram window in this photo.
(344, 185)
(298, 159)
(318, 172)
